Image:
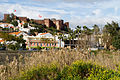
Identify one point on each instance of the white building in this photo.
(43, 40)
(6, 25)
(21, 27)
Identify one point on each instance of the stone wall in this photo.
(39, 21)
(5, 17)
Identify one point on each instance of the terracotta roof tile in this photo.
(1, 40)
(16, 33)
(43, 33)
(6, 26)
(4, 23)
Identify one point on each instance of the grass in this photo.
(59, 65)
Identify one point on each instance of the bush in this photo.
(14, 47)
(79, 70)
(116, 41)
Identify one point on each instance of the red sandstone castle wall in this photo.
(39, 21)
(67, 24)
(5, 17)
(47, 22)
(23, 19)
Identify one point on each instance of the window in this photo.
(41, 44)
(37, 44)
(52, 43)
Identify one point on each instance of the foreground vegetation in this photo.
(63, 65)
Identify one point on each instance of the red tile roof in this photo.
(4, 23)
(1, 40)
(16, 33)
(43, 33)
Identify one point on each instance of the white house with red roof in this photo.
(19, 33)
(45, 35)
(1, 41)
(6, 25)
(21, 27)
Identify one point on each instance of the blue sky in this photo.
(77, 12)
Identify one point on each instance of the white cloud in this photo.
(96, 12)
(116, 10)
(85, 1)
(76, 13)
(31, 12)
(109, 4)
(45, 0)
(4, 0)
(90, 21)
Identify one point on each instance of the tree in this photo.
(32, 21)
(60, 37)
(8, 37)
(87, 32)
(8, 20)
(39, 29)
(2, 47)
(14, 46)
(109, 33)
(73, 35)
(78, 32)
(12, 16)
(96, 31)
(15, 23)
(112, 28)
(54, 34)
(26, 25)
(116, 41)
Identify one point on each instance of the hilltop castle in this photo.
(58, 24)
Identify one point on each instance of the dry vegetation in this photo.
(60, 57)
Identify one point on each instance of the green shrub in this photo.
(79, 70)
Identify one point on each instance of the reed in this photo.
(62, 57)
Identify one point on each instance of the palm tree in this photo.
(54, 34)
(87, 32)
(96, 31)
(78, 32)
(73, 37)
(60, 37)
(70, 37)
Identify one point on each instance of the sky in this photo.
(76, 12)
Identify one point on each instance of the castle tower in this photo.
(5, 17)
(67, 24)
(47, 22)
(59, 24)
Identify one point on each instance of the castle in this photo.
(58, 24)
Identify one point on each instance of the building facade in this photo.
(43, 40)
